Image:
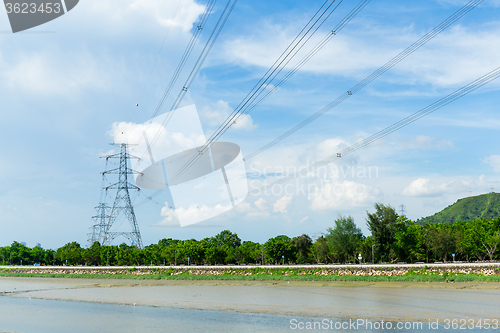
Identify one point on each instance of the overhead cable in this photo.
(199, 62)
(185, 56)
(323, 13)
(391, 63)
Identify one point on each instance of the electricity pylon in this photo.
(102, 230)
(100, 222)
(402, 210)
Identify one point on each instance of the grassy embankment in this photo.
(424, 274)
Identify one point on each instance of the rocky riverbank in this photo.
(477, 269)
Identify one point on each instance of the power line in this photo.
(334, 32)
(465, 90)
(323, 13)
(185, 55)
(485, 79)
(391, 63)
(412, 48)
(199, 62)
(206, 50)
(401, 56)
(158, 55)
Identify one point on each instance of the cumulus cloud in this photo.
(243, 207)
(69, 67)
(423, 187)
(257, 215)
(46, 73)
(192, 213)
(425, 142)
(139, 14)
(163, 140)
(216, 113)
(304, 219)
(342, 195)
(326, 148)
(435, 64)
(261, 204)
(282, 204)
(494, 162)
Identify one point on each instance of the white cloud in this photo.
(192, 213)
(423, 187)
(67, 67)
(216, 113)
(494, 162)
(245, 122)
(47, 73)
(326, 148)
(304, 219)
(426, 143)
(282, 204)
(163, 140)
(342, 195)
(261, 204)
(287, 160)
(257, 215)
(456, 56)
(243, 207)
(202, 185)
(138, 14)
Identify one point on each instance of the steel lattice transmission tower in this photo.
(100, 222)
(102, 229)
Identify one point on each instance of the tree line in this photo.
(394, 238)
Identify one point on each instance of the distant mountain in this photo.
(483, 206)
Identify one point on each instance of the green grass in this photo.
(273, 277)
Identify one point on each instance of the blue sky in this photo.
(64, 84)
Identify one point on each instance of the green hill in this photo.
(483, 206)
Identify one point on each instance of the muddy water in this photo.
(54, 305)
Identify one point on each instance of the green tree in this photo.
(278, 247)
(72, 252)
(168, 250)
(227, 239)
(214, 254)
(125, 255)
(320, 251)
(365, 248)
(382, 225)
(20, 253)
(251, 252)
(344, 238)
(408, 244)
(234, 255)
(303, 246)
(192, 249)
(37, 255)
(49, 257)
(93, 254)
(442, 241)
(4, 255)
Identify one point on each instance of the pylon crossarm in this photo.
(119, 171)
(119, 186)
